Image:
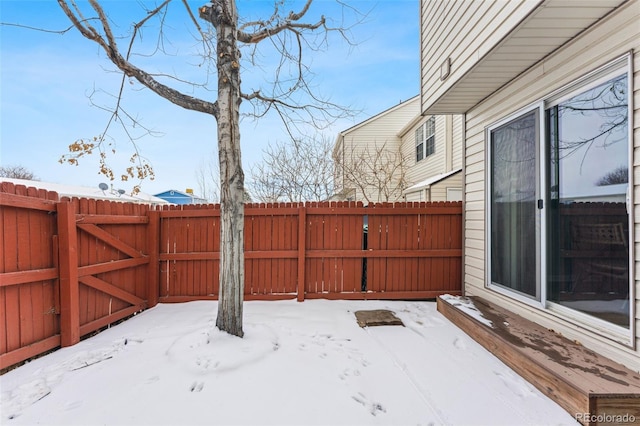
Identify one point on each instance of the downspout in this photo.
(464, 198)
(448, 161)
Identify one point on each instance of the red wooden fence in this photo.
(29, 285)
(71, 267)
(316, 250)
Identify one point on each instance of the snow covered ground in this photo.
(299, 363)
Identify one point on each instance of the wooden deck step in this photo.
(578, 379)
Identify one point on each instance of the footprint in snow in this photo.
(208, 351)
(515, 383)
(196, 386)
(72, 405)
(374, 408)
(358, 358)
(348, 372)
(459, 343)
(152, 379)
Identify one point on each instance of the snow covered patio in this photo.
(299, 363)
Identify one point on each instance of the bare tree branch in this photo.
(267, 29)
(44, 30)
(109, 45)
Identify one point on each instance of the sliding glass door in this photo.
(589, 219)
(558, 207)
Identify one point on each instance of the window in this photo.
(426, 139)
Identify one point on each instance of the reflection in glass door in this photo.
(588, 221)
(514, 215)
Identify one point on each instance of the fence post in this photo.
(302, 254)
(153, 238)
(69, 292)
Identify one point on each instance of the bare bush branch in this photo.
(294, 172)
(377, 173)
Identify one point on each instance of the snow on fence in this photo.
(71, 267)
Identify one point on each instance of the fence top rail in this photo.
(314, 204)
(290, 209)
(27, 197)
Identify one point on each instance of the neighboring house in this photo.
(549, 91)
(108, 193)
(433, 144)
(178, 197)
(399, 155)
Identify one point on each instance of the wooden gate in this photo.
(103, 265)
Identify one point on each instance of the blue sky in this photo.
(46, 81)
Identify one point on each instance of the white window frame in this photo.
(426, 139)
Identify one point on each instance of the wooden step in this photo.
(592, 388)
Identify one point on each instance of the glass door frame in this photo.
(608, 330)
(609, 71)
(540, 221)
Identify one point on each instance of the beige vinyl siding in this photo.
(439, 189)
(490, 60)
(380, 130)
(445, 152)
(614, 36)
(415, 196)
(463, 31)
(408, 143)
(447, 156)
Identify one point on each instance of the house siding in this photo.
(436, 191)
(611, 38)
(463, 31)
(372, 134)
(439, 190)
(448, 155)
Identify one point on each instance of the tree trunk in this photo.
(231, 292)
(223, 15)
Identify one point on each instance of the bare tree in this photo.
(294, 172)
(607, 105)
(377, 172)
(220, 40)
(614, 177)
(17, 172)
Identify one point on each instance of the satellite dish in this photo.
(121, 191)
(103, 186)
